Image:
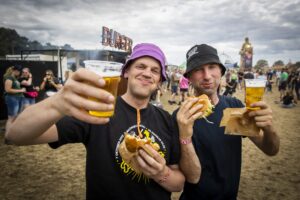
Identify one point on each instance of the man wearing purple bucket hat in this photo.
(108, 175)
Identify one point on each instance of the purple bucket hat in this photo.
(147, 49)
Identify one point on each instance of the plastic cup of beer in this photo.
(110, 71)
(255, 89)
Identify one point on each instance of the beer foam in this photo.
(104, 68)
(255, 83)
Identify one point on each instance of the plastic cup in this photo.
(254, 92)
(110, 71)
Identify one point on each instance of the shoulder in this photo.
(159, 111)
(8, 78)
(231, 102)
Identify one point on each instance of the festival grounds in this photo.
(38, 172)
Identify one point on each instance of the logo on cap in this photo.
(192, 52)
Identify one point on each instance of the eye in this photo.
(155, 71)
(212, 66)
(140, 66)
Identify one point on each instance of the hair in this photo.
(50, 71)
(26, 68)
(9, 71)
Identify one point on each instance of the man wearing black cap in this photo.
(108, 175)
(211, 160)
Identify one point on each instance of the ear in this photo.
(126, 73)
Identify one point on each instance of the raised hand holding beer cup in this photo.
(74, 99)
(110, 72)
(255, 89)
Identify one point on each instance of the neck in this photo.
(135, 102)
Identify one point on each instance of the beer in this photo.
(110, 71)
(111, 85)
(254, 92)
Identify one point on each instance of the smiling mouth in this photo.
(206, 84)
(145, 82)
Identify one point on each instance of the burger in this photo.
(207, 107)
(129, 147)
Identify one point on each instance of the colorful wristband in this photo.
(185, 141)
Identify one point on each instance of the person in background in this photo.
(261, 75)
(288, 100)
(297, 84)
(175, 77)
(50, 84)
(183, 87)
(210, 160)
(248, 74)
(63, 118)
(13, 94)
(240, 79)
(283, 83)
(31, 91)
(278, 74)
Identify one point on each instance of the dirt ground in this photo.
(38, 172)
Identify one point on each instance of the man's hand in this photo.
(73, 100)
(152, 166)
(263, 117)
(186, 116)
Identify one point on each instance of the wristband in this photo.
(185, 140)
(165, 177)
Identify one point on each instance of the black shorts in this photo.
(282, 85)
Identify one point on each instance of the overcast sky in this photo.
(273, 26)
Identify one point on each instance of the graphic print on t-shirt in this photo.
(147, 133)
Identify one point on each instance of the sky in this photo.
(273, 26)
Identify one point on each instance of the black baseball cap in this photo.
(200, 55)
(18, 68)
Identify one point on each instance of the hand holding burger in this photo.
(130, 148)
(191, 109)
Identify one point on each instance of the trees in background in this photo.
(12, 43)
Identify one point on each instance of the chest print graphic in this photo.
(124, 167)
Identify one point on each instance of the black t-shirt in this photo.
(287, 100)
(220, 157)
(49, 86)
(28, 88)
(248, 75)
(107, 175)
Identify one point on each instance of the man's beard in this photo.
(198, 91)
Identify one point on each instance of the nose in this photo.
(147, 72)
(206, 73)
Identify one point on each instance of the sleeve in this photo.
(71, 130)
(236, 103)
(175, 146)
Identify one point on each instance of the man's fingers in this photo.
(260, 112)
(84, 116)
(263, 118)
(85, 89)
(88, 104)
(84, 75)
(260, 104)
(188, 103)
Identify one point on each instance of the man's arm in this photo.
(168, 176)
(36, 124)
(189, 161)
(268, 140)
